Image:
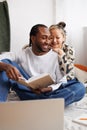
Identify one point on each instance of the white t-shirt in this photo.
(35, 65)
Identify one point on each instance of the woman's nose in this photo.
(54, 41)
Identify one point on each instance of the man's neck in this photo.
(38, 52)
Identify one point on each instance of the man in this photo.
(32, 61)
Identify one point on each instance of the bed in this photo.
(76, 109)
(73, 110)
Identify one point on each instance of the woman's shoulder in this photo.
(68, 47)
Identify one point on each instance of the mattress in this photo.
(70, 112)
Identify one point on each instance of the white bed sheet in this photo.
(70, 112)
(73, 111)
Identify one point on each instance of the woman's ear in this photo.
(64, 38)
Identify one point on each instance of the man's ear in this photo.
(32, 39)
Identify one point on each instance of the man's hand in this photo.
(45, 90)
(12, 72)
(42, 90)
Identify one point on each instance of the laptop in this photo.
(45, 114)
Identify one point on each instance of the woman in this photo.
(66, 53)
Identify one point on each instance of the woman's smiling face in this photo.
(57, 38)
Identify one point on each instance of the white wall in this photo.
(73, 12)
(23, 15)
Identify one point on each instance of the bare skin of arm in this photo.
(11, 71)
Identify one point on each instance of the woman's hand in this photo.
(59, 51)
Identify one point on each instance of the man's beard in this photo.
(41, 49)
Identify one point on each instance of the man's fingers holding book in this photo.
(45, 90)
(42, 90)
(37, 91)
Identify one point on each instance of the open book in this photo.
(35, 82)
(82, 120)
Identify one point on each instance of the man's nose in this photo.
(48, 41)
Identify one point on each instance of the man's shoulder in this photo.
(26, 50)
(53, 53)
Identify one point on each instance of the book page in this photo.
(43, 80)
(37, 77)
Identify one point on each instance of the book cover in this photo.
(82, 119)
(35, 82)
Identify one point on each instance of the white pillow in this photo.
(81, 75)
